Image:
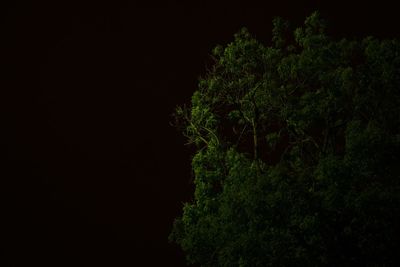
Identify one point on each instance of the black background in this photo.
(93, 172)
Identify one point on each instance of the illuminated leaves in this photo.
(297, 148)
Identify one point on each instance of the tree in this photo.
(297, 152)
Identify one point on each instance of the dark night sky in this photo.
(94, 174)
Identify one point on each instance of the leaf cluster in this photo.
(298, 145)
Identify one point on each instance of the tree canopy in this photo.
(297, 152)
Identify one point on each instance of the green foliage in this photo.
(297, 156)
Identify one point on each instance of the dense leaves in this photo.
(298, 149)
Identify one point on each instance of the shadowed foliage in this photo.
(297, 152)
